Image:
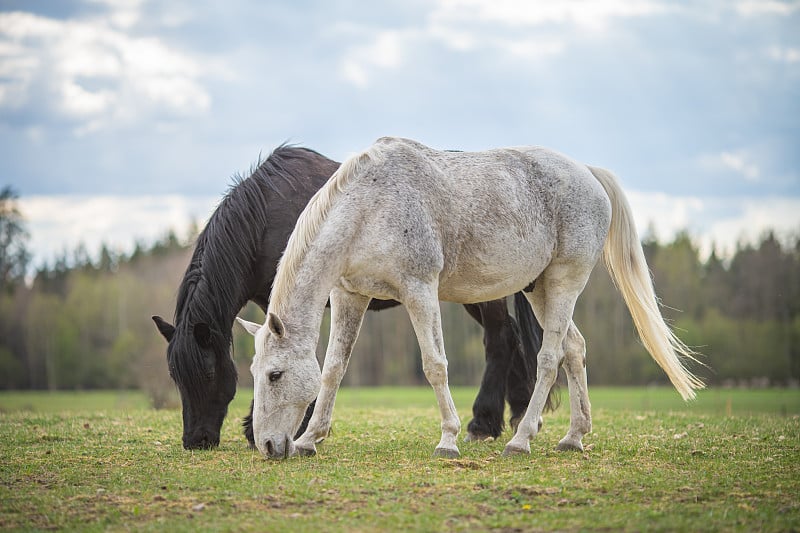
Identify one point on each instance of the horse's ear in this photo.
(251, 327)
(202, 334)
(166, 329)
(275, 325)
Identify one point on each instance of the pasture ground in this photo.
(104, 461)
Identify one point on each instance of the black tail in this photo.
(531, 333)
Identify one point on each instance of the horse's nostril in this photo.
(270, 447)
(287, 444)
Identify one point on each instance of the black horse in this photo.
(234, 261)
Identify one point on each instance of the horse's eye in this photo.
(275, 376)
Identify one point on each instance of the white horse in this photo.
(405, 222)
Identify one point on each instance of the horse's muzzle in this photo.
(280, 448)
(202, 441)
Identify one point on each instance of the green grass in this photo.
(103, 461)
(72, 401)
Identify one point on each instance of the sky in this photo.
(122, 119)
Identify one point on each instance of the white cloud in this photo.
(784, 54)
(454, 38)
(526, 13)
(93, 73)
(16, 71)
(749, 8)
(666, 214)
(355, 72)
(59, 224)
(531, 49)
(519, 29)
(82, 103)
(754, 217)
(123, 13)
(714, 222)
(740, 162)
(385, 51)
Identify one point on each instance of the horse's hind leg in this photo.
(500, 340)
(347, 313)
(580, 422)
(422, 304)
(553, 300)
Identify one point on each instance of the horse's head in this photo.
(201, 366)
(286, 379)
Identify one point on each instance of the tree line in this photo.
(84, 323)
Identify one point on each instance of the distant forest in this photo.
(84, 323)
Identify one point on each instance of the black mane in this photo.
(214, 285)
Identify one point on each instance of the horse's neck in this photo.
(257, 288)
(230, 291)
(304, 305)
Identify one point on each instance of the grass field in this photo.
(104, 461)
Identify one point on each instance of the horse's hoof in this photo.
(446, 453)
(472, 437)
(513, 450)
(305, 452)
(568, 445)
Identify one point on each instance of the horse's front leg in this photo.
(347, 314)
(422, 304)
(500, 340)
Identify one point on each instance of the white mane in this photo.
(309, 224)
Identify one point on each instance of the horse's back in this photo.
(488, 223)
(514, 196)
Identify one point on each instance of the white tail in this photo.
(625, 261)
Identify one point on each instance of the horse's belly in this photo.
(466, 293)
(481, 279)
